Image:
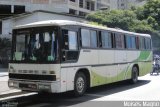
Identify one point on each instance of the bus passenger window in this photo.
(89, 38)
(93, 39)
(142, 43)
(131, 42)
(85, 35)
(119, 39)
(106, 40)
(148, 43)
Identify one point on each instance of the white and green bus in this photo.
(59, 55)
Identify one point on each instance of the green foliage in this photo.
(151, 12)
(145, 19)
(151, 8)
(140, 13)
(4, 43)
(124, 19)
(97, 24)
(5, 47)
(141, 27)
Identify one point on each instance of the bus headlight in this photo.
(12, 84)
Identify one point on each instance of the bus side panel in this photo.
(70, 78)
(145, 62)
(105, 71)
(67, 76)
(121, 62)
(63, 79)
(70, 74)
(132, 56)
(103, 75)
(87, 57)
(107, 57)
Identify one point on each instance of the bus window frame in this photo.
(90, 29)
(100, 39)
(115, 43)
(129, 35)
(148, 49)
(62, 50)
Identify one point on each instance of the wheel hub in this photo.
(80, 84)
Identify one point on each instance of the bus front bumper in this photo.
(35, 86)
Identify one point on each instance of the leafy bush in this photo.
(145, 19)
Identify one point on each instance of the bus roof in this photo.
(67, 22)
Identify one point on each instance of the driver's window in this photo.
(72, 39)
(70, 45)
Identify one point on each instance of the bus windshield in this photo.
(38, 46)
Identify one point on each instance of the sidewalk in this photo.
(4, 89)
(3, 72)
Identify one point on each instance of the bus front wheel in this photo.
(134, 76)
(80, 85)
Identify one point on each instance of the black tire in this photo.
(134, 77)
(80, 84)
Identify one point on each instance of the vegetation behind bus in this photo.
(143, 19)
(5, 47)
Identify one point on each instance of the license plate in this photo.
(32, 86)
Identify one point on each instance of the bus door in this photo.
(70, 53)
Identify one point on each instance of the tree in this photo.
(5, 46)
(131, 20)
(123, 19)
(151, 12)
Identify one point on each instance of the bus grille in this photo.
(33, 77)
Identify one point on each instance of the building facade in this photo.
(126, 4)
(9, 23)
(103, 4)
(77, 7)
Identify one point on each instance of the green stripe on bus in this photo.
(144, 68)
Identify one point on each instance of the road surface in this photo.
(147, 89)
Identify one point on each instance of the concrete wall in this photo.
(50, 5)
(126, 4)
(32, 5)
(113, 4)
(8, 24)
(41, 16)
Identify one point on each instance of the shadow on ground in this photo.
(67, 99)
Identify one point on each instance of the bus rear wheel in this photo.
(80, 84)
(134, 77)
